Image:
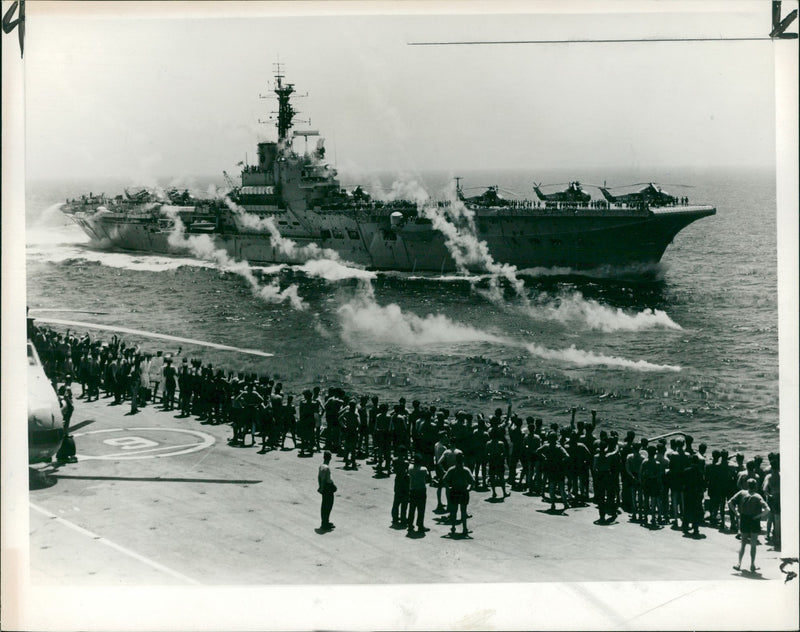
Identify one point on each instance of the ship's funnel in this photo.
(266, 155)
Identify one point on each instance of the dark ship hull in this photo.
(576, 239)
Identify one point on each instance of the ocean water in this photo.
(694, 348)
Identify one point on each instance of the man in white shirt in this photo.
(327, 489)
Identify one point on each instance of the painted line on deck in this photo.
(151, 334)
(117, 547)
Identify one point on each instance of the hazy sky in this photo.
(113, 93)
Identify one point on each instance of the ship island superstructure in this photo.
(300, 192)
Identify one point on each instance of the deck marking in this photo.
(114, 545)
(146, 452)
(151, 334)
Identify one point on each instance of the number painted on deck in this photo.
(130, 443)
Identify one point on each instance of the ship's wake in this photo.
(637, 272)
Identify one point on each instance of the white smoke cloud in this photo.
(590, 358)
(364, 321)
(333, 270)
(573, 307)
(402, 189)
(319, 262)
(287, 247)
(457, 223)
(202, 246)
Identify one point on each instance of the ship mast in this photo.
(285, 110)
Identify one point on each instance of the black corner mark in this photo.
(790, 574)
(9, 24)
(779, 26)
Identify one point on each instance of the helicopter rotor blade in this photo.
(655, 184)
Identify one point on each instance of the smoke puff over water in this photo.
(570, 308)
(324, 263)
(333, 270)
(362, 319)
(589, 358)
(288, 247)
(202, 246)
(457, 223)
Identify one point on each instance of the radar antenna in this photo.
(286, 111)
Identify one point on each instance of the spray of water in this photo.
(635, 270)
(51, 217)
(324, 263)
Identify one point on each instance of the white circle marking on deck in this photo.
(138, 447)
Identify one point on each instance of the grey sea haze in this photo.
(694, 348)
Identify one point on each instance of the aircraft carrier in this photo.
(296, 196)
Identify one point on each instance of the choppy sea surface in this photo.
(693, 348)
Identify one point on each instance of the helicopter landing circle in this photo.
(127, 444)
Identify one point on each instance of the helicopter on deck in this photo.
(651, 194)
(491, 197)
(45, 420)
(573, 193)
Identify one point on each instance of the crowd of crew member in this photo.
(657, 482)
